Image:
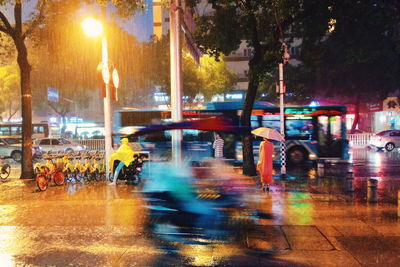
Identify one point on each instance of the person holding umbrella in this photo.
(265, 164)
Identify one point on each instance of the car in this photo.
(59, 145)
(389, 140)
(11, 147)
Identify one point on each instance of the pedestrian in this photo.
(264, 165)
(218, 146)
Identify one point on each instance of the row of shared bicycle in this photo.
(71, 167)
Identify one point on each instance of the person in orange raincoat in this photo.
(264, 165)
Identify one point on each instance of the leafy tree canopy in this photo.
(9, 91)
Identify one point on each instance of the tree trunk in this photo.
(247, 142)
(356, 114)
(26, 108)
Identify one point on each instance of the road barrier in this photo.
(359, 140)
(91, 144)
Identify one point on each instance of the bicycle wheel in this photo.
(5, 171)
(89, 176)
(42, 182)
(59, 178)
(97, 176)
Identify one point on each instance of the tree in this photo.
(19, 33)
(350, 49)
(210, 77)
(9, 83)
(261, 24)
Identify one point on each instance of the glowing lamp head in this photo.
(92, 27)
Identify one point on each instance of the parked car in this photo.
(59, 144)
(388, 140)
(11, 147)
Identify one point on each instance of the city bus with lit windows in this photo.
(39, 130)
(311, 133)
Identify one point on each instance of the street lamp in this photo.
(94, 28)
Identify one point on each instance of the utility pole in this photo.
(282, 118)
(176, 78)
(107, 98)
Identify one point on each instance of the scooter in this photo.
(132, 173)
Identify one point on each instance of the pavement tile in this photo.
(301, 230)
(328, 230)
(378, 258)
(370, 243)
(386, 230)
(309, 243)
(272, 244)
(335, 243)
(286, 258)
(361, 230)
(240, 260)
(49, 257)
(331, 258)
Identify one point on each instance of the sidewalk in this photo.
(317, 229)
(95, 224)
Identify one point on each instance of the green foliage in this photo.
(211, 77)
(9, 90)
(7, 49)
(359, 57)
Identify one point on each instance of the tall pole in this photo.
(176, 78)
(282, 118)
(107, 99)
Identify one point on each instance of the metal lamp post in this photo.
(94, 28)
(176, 79)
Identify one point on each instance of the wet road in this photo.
(314, 223)
(365, 164)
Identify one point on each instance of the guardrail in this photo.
(359, 140)
(91, 144)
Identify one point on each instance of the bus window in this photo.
(335, 127)
(254, 121)
(299, 127)
(5, 130)
(16, 130)
(190, 135)
(162, 136)
(271, 121)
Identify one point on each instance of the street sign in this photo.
(115, 78)
(52, 94)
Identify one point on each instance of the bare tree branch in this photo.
(8, 28)
(39, 19)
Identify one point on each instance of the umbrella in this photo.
(268, 133)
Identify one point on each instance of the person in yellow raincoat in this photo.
(125, 156)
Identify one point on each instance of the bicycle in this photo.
(5, 170)
(79, 169)
(47, 172)
(68, 169)
(100, 167)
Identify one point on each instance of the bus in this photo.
(39, 130)
(311, 133)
